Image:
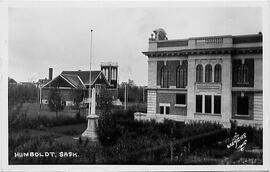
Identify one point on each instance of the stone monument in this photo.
(92, 120)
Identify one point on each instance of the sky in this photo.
(40, 38)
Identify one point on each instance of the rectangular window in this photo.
(167, 110)
(161, 109)
(208, 104)
(242, 105)
(199, 103)
(181, 99)
(164, 108)
(217, 104)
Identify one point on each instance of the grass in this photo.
(72, 130)
(33, 110)
(62, 134)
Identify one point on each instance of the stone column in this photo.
(191, 102)
(226, 93)
(152, 83)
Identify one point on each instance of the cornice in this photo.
(185, 52)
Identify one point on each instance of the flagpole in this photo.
(92, 118)
(90, 89)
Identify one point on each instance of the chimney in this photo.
(50, 73)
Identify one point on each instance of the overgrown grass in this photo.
(18, 122)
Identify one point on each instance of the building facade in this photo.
(217, 78)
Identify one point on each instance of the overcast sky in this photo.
(40, 38)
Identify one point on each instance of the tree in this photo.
(107, 130)
(18, 93)
(78, 97)
(104, 101)
(56, 103)
(134, 92)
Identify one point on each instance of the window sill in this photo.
(180, 105)
(208, 114)
(242, 115)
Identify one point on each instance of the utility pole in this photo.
(143, 94)
(125, 106)
(40, 94)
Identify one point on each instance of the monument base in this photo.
(91, 133)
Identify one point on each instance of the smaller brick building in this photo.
(73, 86)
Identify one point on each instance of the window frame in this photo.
(244, 115)
(164, 77)
(217, 96)
(181, 76)
(199, 73)
(164, 106)
(206, 104)
(218, 73)
(208, 73)
(180, 104)
(243, 74)
(201, 103)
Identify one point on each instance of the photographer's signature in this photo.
(238, 142)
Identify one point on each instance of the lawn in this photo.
(34, 110)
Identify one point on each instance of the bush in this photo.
(107, 129)
(56, 103)
(254, 135)
(21, 122)
(121, 114)
(21, 93)
(246, 158)
(87, 153)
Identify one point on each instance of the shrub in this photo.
(56, 103)
(21, 122)
(254, 135)
(87, 153)
(107, 130)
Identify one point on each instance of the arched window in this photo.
(243, 73)
(208, 73)
(199, 73)
(164, 77)
(181, 76)
(217, 73)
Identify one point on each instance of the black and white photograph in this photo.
(110, 83)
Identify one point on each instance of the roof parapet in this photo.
(115, 64)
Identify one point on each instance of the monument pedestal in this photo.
(91, 130)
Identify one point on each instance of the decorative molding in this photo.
(230, 50)
(208, 87)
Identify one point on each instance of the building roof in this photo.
(80, 79)
(74, 79)
(237, 39)
(84, 75)
(224, 44)
(247, 38)
(11, 81)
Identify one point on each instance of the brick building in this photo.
(74, 85)
(217, 78)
